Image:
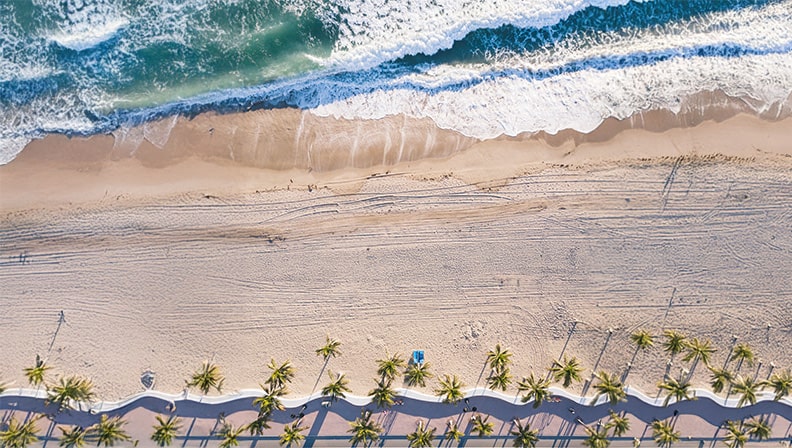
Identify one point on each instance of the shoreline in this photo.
(268, 150)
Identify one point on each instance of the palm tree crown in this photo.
(610, 386)
(699, 351)
(206, 378)
(498, 358)
(664, 434)
(35, 374)
(742, 353)
(758, 428)
(364, 430)
(618, 423)
(19, 435)
(735, 437)
(450, 389)
(642, 339)
(422, 437)
(453, 434)
(596, 439)
(567, 371)
(331, 348)
(719, 378)
(74, 438)
(281, 374)
(383, 395)
(292, 434)
(229, 435)
(781, 383)
(259, 424)
(675, 342)
(270, 401)
(678, 389)
(337, 387)
(417, 374)
(389, 367)
(70, 390)
(165, 430)
(482, 425)
(500, 380)
(110, 430)
(537, 389)
(524, 436)
(747, 388)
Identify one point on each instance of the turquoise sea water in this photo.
(483, 68)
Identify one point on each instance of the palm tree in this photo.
(35, 374)
(620, 424)
(781, 382)
(19, 435)
(537, 389)
(678, 389)
(498, 358)
(747, 388)
(500, 380)
(70, 390)
(292, 434)
(610, 386)
(206, 378)
(450, 389)
(719, 378)
(482, 425)
(229, 435)
(74, 438)
(742, 353)
(417, 374)
(567, 371)
(758, 428)
(331, 348)
(422, 437)
(364, 430)
(675, 342)
(109, 431)
(383, 395)
(337, 387)
(664, 434)
(259, 424)
(270, 401)
(698, 351)
(642, 339)
(596, 439)
(166, 429)
(735, 436)
(389, 367)
(524, 436)
(281, 374)
(453, 434)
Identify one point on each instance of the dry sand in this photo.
(161, 258)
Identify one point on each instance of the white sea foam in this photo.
(375, 31)
(10, 147)
(576, 84)
(79, 38)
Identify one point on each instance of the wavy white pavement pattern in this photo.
(698, 421)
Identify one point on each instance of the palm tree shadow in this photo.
(319, 378)
(188, 432)
(316, 427)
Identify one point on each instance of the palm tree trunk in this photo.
(692, 368)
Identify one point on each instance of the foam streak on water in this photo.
(483, 68)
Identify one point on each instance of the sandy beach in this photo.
(161, 259)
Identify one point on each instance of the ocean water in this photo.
(481, 67)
